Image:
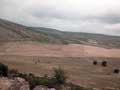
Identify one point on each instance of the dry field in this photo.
(75, 59)
(49, 50)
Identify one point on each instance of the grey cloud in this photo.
(108, 18)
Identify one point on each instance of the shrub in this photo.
(3, 70)
(45, 81)
(22, 75)
(57, 79)
(13, 73)
(59, 76)
(95, 63)
(116, 71)
(104, 63)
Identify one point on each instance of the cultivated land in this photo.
(56, 50)
(76, 60)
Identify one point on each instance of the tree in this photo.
(116, 71)
(104, 63)
(94, 62)
(3, 70)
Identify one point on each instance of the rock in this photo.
(13, 84)
(108, 88)
(52, 89)
(43, 88)
(95, 89)
(65, 87)
(40, 88)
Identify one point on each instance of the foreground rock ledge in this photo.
(21, 84)
(13, 84)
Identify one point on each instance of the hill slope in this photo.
(10, 31)
(80, 38)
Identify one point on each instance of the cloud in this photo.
(94, 16)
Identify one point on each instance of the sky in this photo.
(92, 16)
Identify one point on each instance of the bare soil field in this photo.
(75, 59)
(49, 50)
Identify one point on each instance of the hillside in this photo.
(10, 31)
(80, 38)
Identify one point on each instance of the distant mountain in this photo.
(79, 38)
(10, 31)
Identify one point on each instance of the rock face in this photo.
(13, 84)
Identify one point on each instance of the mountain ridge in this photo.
(10, 31)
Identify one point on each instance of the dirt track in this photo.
(71, 50)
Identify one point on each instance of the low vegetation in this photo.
(59, 76)
(95, 62)
(3, 70)
(104, 63)
(58, 80)
(116, 71)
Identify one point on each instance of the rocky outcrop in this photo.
(21, 84)
(60, 88)
(43, 88)
(13, 84)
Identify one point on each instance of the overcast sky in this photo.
(94, 16)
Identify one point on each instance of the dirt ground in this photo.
(49, 50)
(76, 60)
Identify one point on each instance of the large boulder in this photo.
(13, 84)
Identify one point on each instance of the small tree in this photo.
(95, 63)
(59, 76)
(116, 71)
(104, 63)
(3, 70)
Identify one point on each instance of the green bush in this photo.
(95, 62)
(59, 76)
(57, 79)
(3, 70)
(104, 63)
(116, 71)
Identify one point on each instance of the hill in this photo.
(10, 31)
(99, 40)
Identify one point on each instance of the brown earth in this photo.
(49, 50)
(76, 60)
